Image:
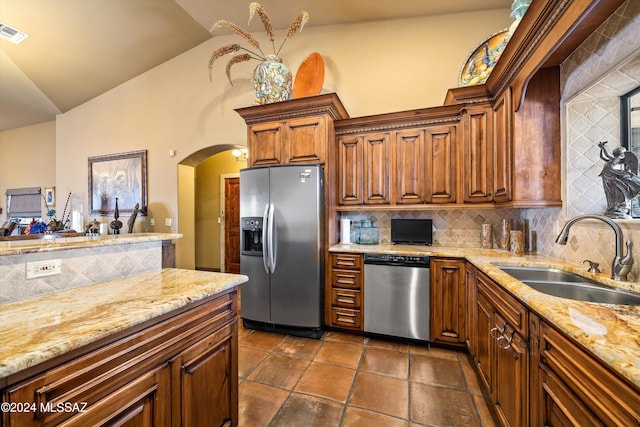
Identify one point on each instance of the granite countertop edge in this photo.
(20, 247)
(41, 328)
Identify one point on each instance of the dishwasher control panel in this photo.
(400, 260)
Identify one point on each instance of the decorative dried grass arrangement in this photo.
(259, 55)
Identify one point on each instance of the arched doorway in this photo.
(201, 207)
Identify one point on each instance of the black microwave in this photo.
(412, 231)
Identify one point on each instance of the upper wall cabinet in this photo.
(296, 131)
(477, 165)
(398, 160)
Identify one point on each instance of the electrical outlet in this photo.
(152, 222)
(167, 222)
(43, 268)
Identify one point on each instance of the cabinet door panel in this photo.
(447, 301)
(306, 140)
(208, 380)
(441, 162)
(409, 166)
(350, 163)
(470, 314)
(511, 377)
(484, 347)
(477, 156)
(376, 168)
(265, 142)
(502, 160)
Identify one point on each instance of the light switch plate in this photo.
(37, 269)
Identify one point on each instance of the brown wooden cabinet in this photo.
(502, 162)
(180, 369)
(441, 164)
(345, 291)
(350, 161)
(299, 131)
(573, 388)
(295, 140)
(501, 350)
(411, 166)
(376, 165)
(408, 167)
(448, 301)
(477, 154)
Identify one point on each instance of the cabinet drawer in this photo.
(346, 318)
(346, 298)
(346, 279)
(607, 396)
(347, 261)
(513, 312)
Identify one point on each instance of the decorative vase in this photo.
(272, 81)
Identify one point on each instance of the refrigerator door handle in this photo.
(272, 241)
(265, 242)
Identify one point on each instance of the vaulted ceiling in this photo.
(79, 49)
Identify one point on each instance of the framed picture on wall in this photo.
(118, 176)
(50, 195)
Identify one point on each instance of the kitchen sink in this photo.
(564, 284)
(544, 274)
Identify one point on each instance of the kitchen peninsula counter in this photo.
(50, 243)
(608, 331)
(39, 329)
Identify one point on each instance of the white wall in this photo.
(28, 159)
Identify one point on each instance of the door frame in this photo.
(222, 216)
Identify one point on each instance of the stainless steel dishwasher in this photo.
(396, 295)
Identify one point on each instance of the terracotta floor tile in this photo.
(340, 353)
(258, 403)
(302, 410)
(332, 382)
(381, 394)
(279, 371)
(385, 362)
(357, 417)
(441, 406)
(431, 370)
(341, 336)
(303, 348)
(442, 353)
(388, 345)
(474, 383)
(261, 340)
(486, 411)
(248, 359)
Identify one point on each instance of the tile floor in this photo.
(347, 380)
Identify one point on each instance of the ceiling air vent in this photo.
(9, 33)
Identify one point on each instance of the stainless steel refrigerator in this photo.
(281, 216)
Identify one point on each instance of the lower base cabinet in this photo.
(501, 351)
(181, 370)
(573, 388)
(536, 375)
(344, 291)
(448, 301)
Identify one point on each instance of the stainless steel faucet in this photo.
(621, 263)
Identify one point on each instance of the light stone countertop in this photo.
(608, 331)
(18, 247)
(41, 328)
